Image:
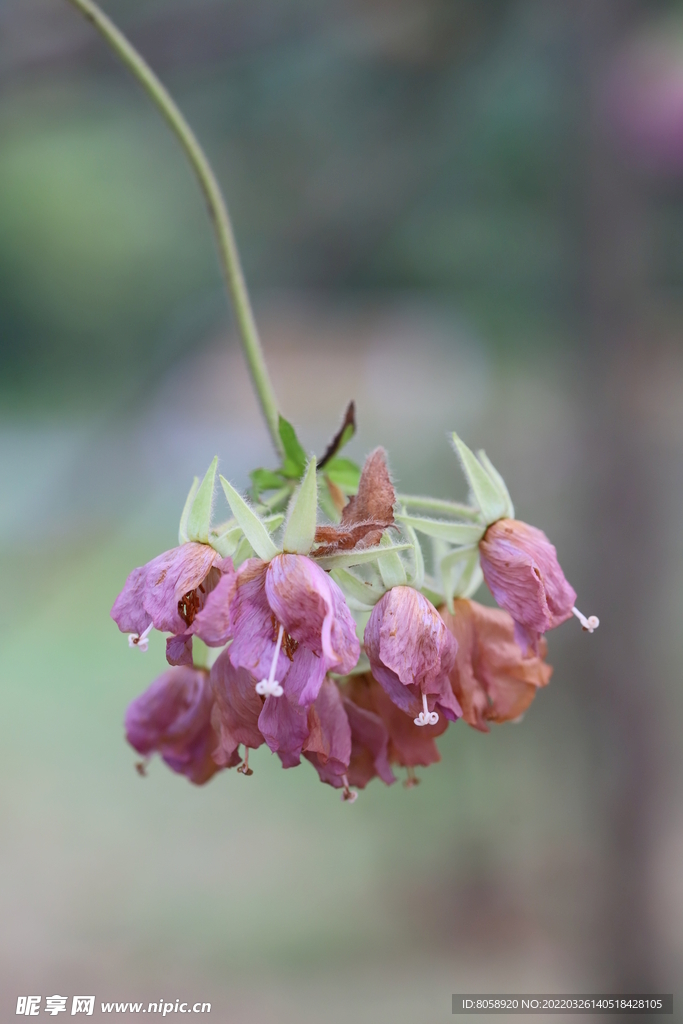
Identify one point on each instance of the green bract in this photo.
(486, 484)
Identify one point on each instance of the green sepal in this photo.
(390, 566)
(302, 515)
(497, 478)
(226, 543)
(346, 559)
(294, 462)
(199, 518)
(327, 503)
(344, 473)
(182, 529)
(252, 526)
(454, 533)
(362, 592)
(458, 572)
(430, 590)
(490, 497)
(417, 576)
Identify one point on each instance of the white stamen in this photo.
(349, 796)
(590, 623)
(270, 687)
(426, 717)
(141, 640)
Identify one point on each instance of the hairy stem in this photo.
(440, 506)
(227, 246)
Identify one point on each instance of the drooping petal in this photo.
(129, 612)
(212, 623)
(411, 652)
(522, 572)
(173, 718)
(283, 723)
(238, 707)
(492, 679)
(369, 747)
(253, 624)
(328, 746)
(313, 610)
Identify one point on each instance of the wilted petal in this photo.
(367, 514)
(313, 611)
(522, 572)
(328, 746)
(254, 627)
(238, 707)
(179, 650)
(212, 623)
(173, 718)
(492, 679)
(283, 723)
(369, 747)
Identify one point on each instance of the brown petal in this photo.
(367, 514)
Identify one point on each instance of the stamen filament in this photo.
(140, 640)
(589, 624)
(244, 768)
(270, 687)
(426, 717)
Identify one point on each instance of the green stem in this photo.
(439, 506)
(227, 246)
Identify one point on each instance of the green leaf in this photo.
(265, 480)
(303, 511)
(362, 592)
(454, 533)
(497, 478)
(344, 473)
(294, 462)
(346, 559)
(390, 566)
(492, 500)
(199, 519)
(252, 526)
(182, 529)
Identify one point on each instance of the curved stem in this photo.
(227, 246)
(439, 505)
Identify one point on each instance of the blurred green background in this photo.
(462, 215)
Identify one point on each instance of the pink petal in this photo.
(313, 610)
(179, 650)
(369, 747)
(254, 627)
(129, 612)
(173, 575)
(238, 706)
(283, 723)
(328, 746)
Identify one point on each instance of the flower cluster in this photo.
(336, 643)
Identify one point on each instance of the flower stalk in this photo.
(227, 246)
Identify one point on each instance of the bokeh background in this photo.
(465, 216)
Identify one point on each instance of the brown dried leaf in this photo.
(367, 514)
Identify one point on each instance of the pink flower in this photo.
(369, 746)
(291, 625)
(411, 654)
(173, 718)
(522, 572)
(328, 746)
(168, 594)
(236, 712)
(492, 679)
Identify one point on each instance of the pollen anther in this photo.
(591, 623)
(270, 687)
(349, 795)
(140, 640)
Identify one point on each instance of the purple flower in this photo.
(173, 718)
(328, 746)
(168, 594)
(236, 713)
(522, 572)
(411, 654)
(291, 625)
(369, 747)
